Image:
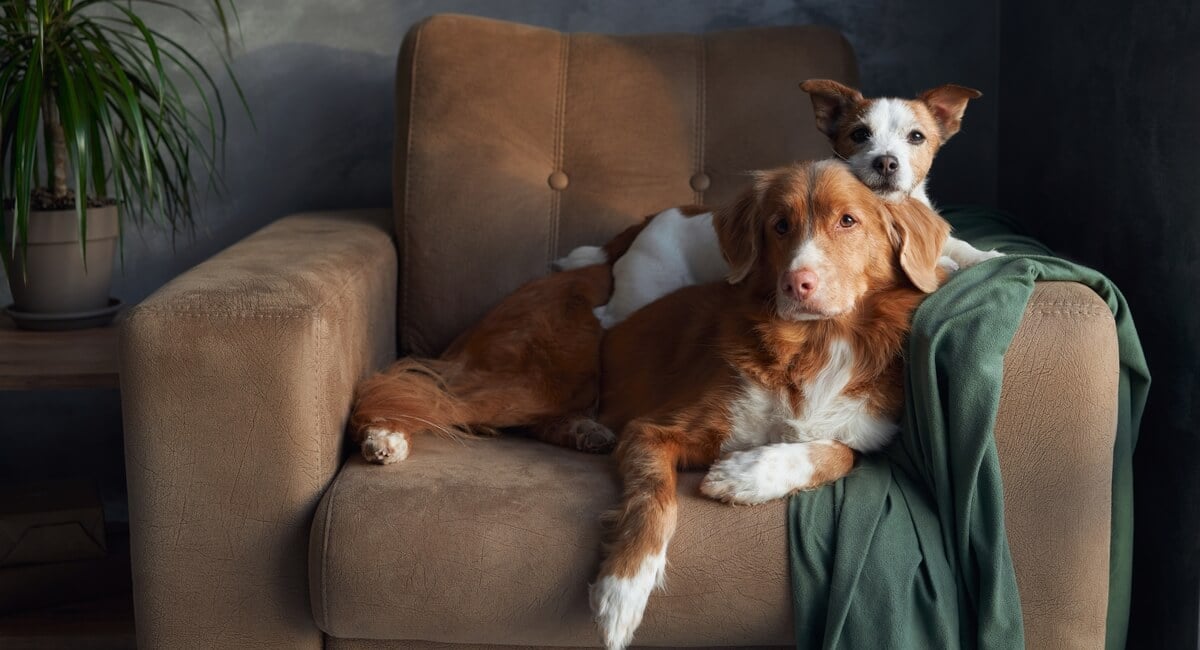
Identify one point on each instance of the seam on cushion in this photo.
(292, 314)
(560, 117)
(1069, 312)
(325, 549)
(405, 334)
(306, 312)
(1064, 304)
(701, 110)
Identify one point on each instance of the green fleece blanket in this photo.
(909, 551)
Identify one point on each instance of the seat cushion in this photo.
(494, 541)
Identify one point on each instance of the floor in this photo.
(102, 618)
(97, 625)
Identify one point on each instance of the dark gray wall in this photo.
(1099, 129)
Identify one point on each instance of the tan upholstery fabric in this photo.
(630, 124)
(236, 380)
(371, 644)
(1054, 432)
(495, 541)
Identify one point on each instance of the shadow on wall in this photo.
(323, 140)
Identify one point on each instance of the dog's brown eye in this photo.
(861, 135)
(916, 137)
(782, 226)
(847, 221)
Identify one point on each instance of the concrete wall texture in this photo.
(1087, 117)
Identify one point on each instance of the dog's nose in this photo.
(886, 165)
(801, 284)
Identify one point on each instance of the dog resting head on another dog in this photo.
(889, 142)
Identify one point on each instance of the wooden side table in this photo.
(65, 360)
(52, 360)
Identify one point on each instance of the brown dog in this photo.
(774, 380)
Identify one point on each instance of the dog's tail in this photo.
(412, 396)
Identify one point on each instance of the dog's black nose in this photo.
(886, 165)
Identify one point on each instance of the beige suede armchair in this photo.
(250, 528)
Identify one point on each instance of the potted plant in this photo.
(96, 133)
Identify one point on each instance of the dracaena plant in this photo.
(97, 106)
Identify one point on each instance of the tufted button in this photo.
(700, 181)
(558, 180)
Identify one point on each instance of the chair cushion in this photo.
(494, 541)
(516, 144)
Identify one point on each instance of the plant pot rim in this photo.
(54, 226)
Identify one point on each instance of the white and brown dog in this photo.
(890, 145)
(772, 381)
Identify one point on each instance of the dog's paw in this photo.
(947, 264)
(384, 446)
(592, 437)
(619, 603)
(968, 259)
(989, 255)
(579, 258)
(603, 314)
(757, 475)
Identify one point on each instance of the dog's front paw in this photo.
(579, 258)
(974, 257)
(757, 475)
(384, 446)
(606, 317)
(947, 264)
(619, 603)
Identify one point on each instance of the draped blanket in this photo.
(909, 551)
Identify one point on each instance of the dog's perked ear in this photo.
(832, 102)
(921, 234)
(738, 227)
(948, 103)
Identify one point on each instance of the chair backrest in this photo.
(514, 144)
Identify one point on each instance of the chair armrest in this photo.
(1055, 431)
(236, 383)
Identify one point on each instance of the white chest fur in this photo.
(760, 416)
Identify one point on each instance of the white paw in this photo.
(758, 475)
(978, 257)
(619, 603)
(989, 255)
(384, 446)
(607, 320)
(968, 259)
(947, 264)
(579, 258)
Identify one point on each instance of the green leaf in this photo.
(113, 80)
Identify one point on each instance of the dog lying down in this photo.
(889, 143)
(771, 381)
(532, 362)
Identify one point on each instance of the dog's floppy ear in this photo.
(947, 103)
(738, 227)
(831, 101)
(921, 233)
